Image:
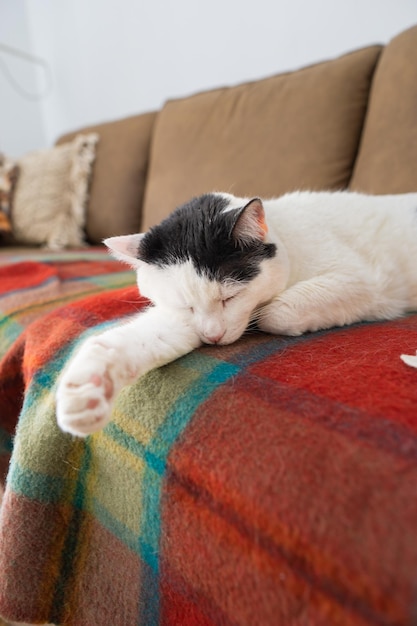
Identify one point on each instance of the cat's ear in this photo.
(250, 223)
(126, 248)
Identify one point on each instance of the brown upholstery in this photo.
(387, 161)
(119, 176)
(291, 131)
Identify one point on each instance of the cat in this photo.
(302, 262)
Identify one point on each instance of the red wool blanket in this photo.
(270, 482)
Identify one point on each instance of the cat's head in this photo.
(210, 259)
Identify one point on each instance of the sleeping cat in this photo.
(302, 262)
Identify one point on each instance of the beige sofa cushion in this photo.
(51, 194)
(387, 161)
(298, 130)
(119, 176)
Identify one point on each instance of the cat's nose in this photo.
(214, 338)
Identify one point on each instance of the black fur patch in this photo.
(199, 231)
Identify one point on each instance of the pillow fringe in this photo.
(80, 176)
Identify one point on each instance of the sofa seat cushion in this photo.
(269, 482)
(299, 130)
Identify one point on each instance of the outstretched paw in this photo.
(86, 391)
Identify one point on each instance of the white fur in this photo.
(352, 257)
(342, 258)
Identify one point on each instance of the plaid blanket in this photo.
(270, 482)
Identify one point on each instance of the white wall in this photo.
(112, 58)
(21, 121)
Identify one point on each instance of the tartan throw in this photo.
(270, 482)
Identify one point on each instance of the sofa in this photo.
(271, 482)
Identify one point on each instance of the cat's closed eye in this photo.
(226, 300)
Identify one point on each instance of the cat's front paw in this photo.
(86, 390)
(279, 318)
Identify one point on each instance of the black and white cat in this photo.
(302, 262)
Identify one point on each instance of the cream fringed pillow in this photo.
(50, 197)
(8, 176)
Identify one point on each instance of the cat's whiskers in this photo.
(253, 326)
(256, 316)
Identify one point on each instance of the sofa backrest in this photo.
(299, 130)
(387, 160)
(351, 121)
(119, 176)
